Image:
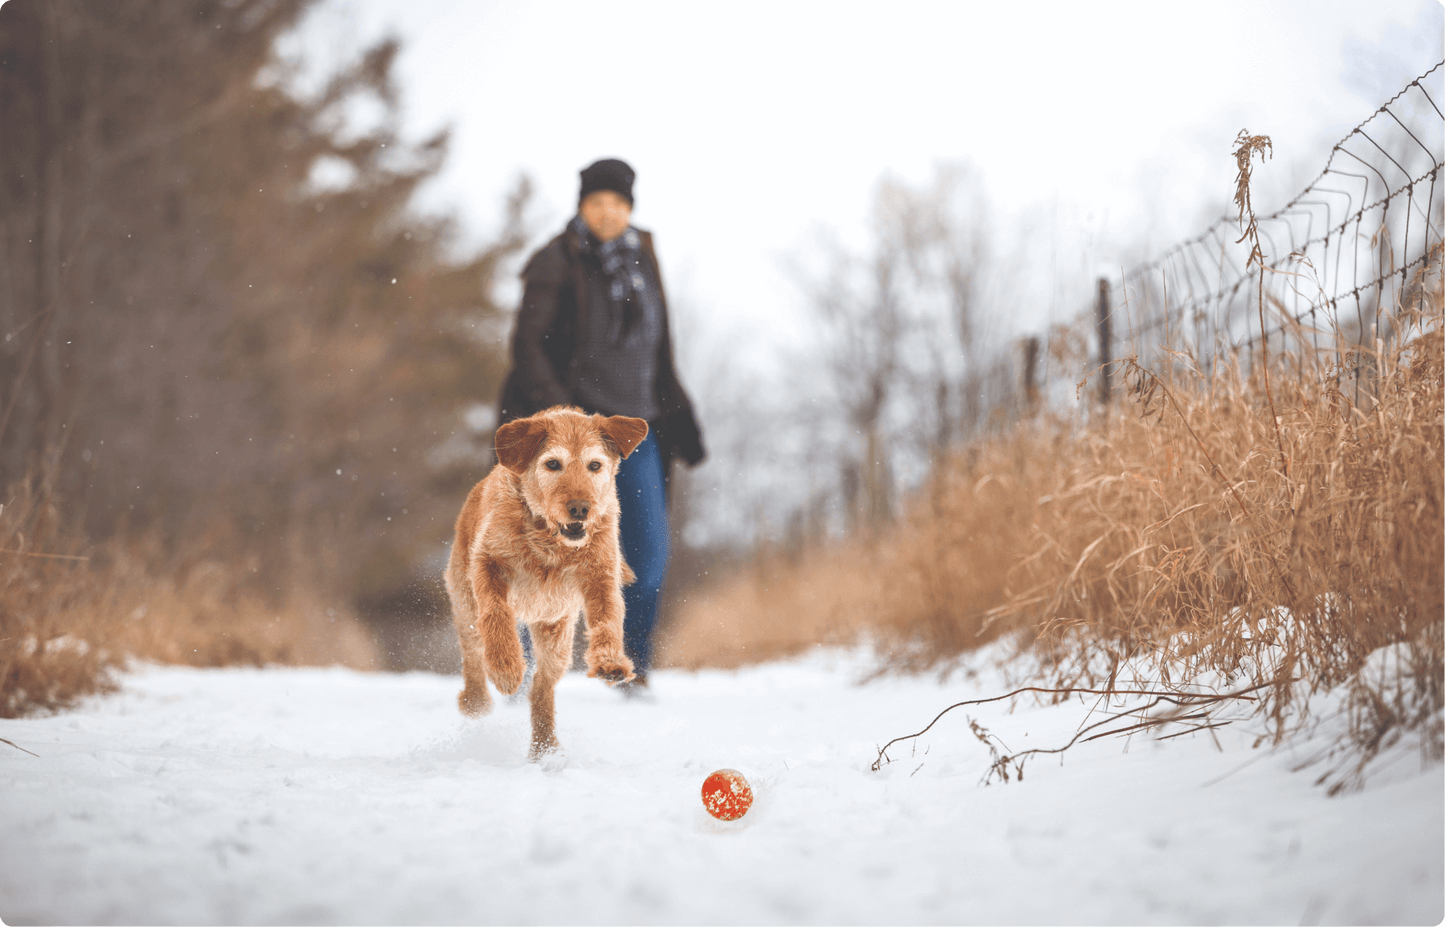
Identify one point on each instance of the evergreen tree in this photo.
(199, 340)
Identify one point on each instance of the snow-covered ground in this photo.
(326, 795)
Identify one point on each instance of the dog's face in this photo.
(568, 462)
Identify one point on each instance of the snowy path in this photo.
(314, 796)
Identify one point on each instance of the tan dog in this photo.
(536, 542)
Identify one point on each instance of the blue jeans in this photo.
(642, 493)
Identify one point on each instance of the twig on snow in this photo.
(17, 746)
(1186, 703)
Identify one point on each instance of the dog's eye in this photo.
(554, 465)
(595, 465)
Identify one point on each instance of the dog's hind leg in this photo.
(552, 646)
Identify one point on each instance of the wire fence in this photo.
(1339, 259)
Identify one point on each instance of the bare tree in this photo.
(899, 338)
(859, 328)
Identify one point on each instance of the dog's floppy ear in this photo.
(518, 442)
(623, 432)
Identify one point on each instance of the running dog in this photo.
(536, 542)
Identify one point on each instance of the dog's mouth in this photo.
(573, 531)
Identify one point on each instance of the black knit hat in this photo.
(607, 174)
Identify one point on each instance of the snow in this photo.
(327, 795)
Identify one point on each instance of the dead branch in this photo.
(1186, 704)
(17, 746)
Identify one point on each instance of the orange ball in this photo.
(726, 795)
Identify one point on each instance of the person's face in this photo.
(607, 213)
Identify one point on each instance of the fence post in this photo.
(1031, 374)
(1106, 341)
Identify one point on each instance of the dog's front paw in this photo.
(506, 669)
(549, 754)
(611, 669)
(474, 702)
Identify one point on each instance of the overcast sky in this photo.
(754, 125)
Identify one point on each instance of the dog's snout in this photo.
(578, 509)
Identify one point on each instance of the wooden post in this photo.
(1106, 341)
(1031, 374)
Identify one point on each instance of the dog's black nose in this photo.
(578, 509)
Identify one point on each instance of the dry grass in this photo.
(44, 581)
(1178, 532)
(776, 608)
(1171, 530)
(950, 561)
(70, 615)
(922, 590)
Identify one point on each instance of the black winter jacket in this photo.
(544, 361)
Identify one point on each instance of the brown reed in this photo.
(72, 615)
(780, 605)
(1167, 529)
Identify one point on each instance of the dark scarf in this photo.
(634, 303)
(618, 340)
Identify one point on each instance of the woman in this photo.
(593, 332)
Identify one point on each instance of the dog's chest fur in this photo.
(544, 577)
(541, 596)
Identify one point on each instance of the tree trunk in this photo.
(49, 216)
